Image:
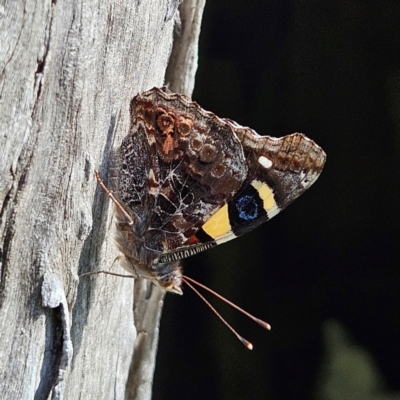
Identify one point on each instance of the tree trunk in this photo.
(68, 72)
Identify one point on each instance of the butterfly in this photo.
(184, 180)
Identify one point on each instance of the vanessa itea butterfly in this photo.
(185, 180)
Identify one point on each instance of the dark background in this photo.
(325, 272)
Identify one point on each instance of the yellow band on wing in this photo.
(267, 196)
(218, 224)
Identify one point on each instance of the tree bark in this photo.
(68, 72)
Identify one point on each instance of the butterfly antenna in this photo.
(259, 321)
(242, 339)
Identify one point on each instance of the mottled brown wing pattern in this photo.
(177, 167)
(289, 165)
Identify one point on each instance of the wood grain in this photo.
(67, 73)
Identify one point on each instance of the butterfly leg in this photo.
(110, 273)
(113, 199)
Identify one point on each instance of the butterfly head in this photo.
(169, 277)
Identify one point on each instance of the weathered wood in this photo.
(182, 65)
(68, 71)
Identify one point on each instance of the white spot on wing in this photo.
(152, 177)
(265, 162)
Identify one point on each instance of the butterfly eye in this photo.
(172, 280)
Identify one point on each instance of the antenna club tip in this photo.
(264, 324)
(248, 345)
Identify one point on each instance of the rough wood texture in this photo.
(182, 66)
(68, 71)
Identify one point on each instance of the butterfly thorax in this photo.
(142, 261)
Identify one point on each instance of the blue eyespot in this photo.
(247, 208)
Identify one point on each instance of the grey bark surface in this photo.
(67, 73)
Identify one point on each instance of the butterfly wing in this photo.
(279, 171)
(192, 180)
(175, 169)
